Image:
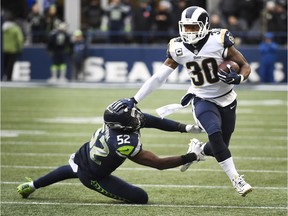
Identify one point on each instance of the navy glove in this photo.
(128, 102)
(230, 78)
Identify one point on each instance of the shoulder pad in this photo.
(227, 38)
(215, 30)
(178, 39)
(175, 40)
(171, 46)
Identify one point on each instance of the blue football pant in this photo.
(114, 187)
(219, 123)
(110, 186)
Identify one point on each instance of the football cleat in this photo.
(242, 187)
(194, 146)
(25, 189)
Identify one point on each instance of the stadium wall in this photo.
(128, 64)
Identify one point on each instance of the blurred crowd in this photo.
(249, 20)
(154, 21)
(256, 22)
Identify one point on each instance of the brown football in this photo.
(224, 66)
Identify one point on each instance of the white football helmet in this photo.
(194, 16)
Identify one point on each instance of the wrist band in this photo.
(189, 157)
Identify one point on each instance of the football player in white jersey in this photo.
(200, 50)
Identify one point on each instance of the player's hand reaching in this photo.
(230, 78)
(129, 102)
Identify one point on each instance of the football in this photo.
(224, 66)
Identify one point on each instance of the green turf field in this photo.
(41, 127)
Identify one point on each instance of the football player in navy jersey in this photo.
(109, 147)
(59, 47)
(200, 50)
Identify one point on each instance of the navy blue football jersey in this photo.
(59, 42)
(107, 150)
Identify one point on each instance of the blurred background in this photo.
(120, 41)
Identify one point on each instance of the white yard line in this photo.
(161, 186)
(67, 155)
(148, 135)
(107, 85)
(147, 205)
(171, 145)
(149, 169)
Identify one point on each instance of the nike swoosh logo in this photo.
(232, 107)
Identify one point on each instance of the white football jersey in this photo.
(202, 63)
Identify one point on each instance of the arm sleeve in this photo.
(154, 82)
(162, 124)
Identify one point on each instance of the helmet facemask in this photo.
(122, 118)
(202, 20)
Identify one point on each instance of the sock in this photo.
(62, 69)
(62, 74)
(229, 168)
(31, 184)
(54, 74)
(53, 70)
(163, 124)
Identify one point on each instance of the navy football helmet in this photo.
(194, 16)
(118, 116)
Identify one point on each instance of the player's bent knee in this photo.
(141, 197)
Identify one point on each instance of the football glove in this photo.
(230, 78)
(128, 102)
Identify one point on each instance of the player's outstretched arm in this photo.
(148, 158)
(152, 83)
(169, 125)
(157, 79)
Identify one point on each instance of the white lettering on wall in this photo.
(97, 70)
(21, 71)
(279, 74)
(173, 77)
(93, 70)
(116, 71)
(254, 77)
(139, 72)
